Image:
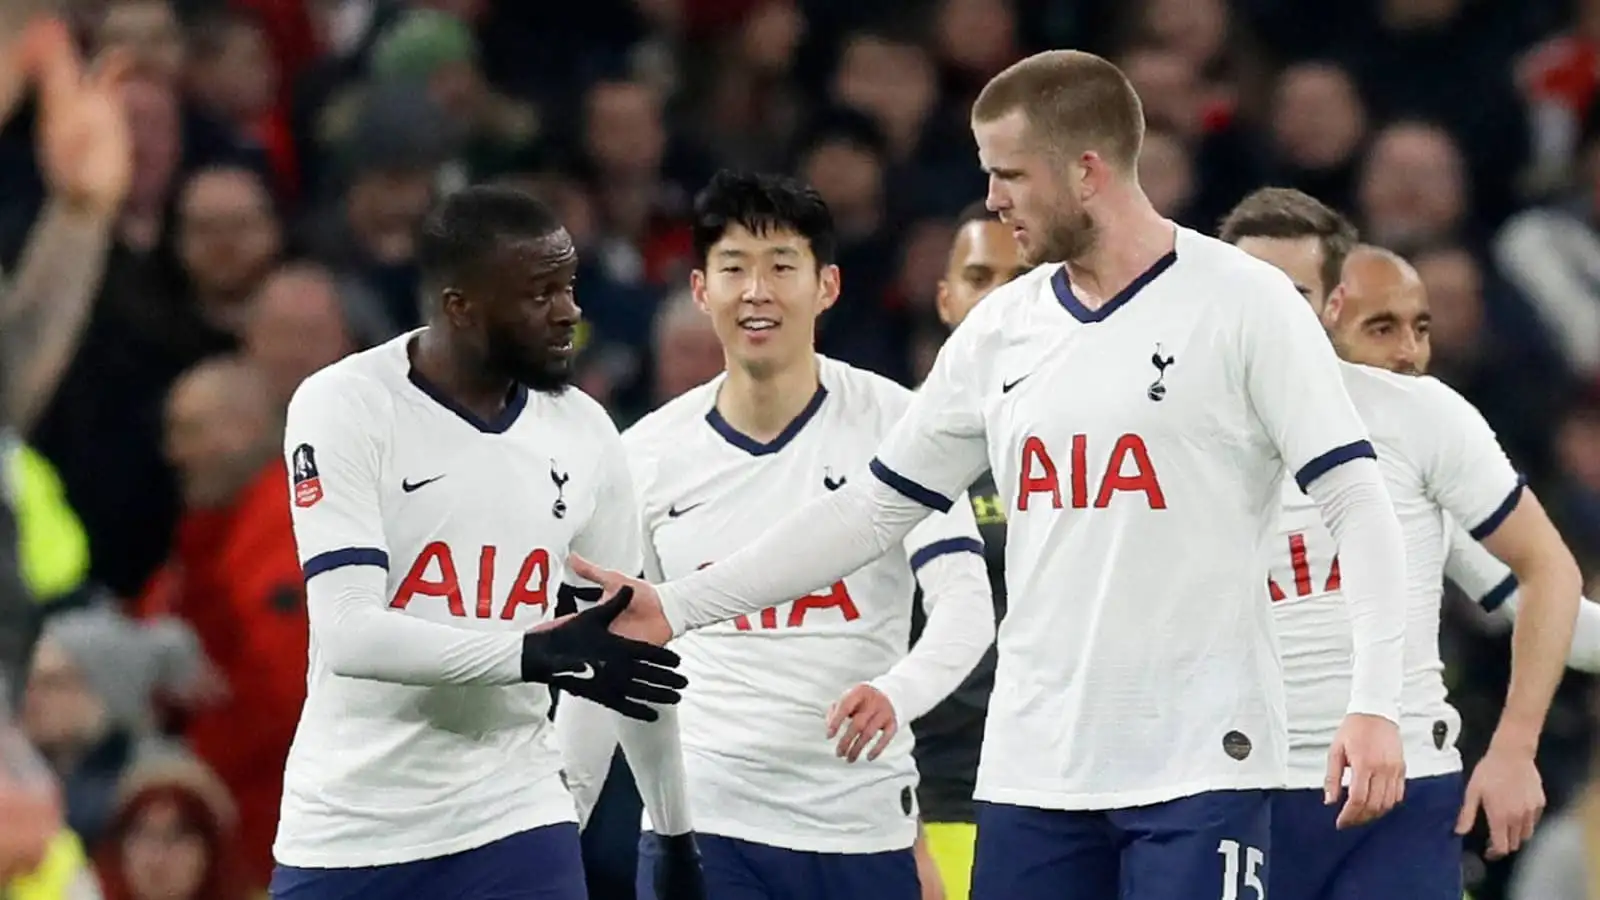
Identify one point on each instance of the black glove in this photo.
(678, 875)
(582, 657)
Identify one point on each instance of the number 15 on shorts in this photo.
(1241, 872)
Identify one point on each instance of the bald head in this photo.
(221, 429)
(1378, 315)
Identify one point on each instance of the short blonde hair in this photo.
(1074, 101)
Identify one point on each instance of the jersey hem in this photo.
(903, 838)
(1034, 798)
(526, 820)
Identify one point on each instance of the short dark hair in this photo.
(1288, 214)
(762, 203)
(464, 228)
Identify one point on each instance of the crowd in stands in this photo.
(285, 151)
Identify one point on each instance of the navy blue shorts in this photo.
(1411, 853)
(542, 864)
(1211, 845)
(743, 870)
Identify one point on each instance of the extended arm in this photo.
(817, 544)
(932, 454)
(1471, 479)
(359, 637)
(44, 308)
(1491, 584)
(1550, 589)
(947, 556)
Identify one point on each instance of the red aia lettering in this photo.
(531, 587)
(1300, 566)
(1038, 474)
(836, 597)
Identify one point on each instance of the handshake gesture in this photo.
(580, 655)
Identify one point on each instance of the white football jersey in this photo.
(473, 521)
(1140, 448)
(761, 766)
(1438, 457)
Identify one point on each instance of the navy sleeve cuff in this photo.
(346, 556)
(1331, 460)
(1489, 524)
(1498, 594)
(910, 489)
(943, 548)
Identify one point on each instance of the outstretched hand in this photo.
(643, 618)
(85, 151)
(580, 655)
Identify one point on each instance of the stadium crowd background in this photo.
(286, 149)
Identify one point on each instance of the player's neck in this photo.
(1132, 237)
(478, 392)
(761, 407)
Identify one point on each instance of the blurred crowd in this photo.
(285, 150)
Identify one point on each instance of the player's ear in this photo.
(828, 284)
(452, 305)
(697, 289)
(941, 302)
(1333, 306)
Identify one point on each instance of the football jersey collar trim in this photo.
(1084, 314)
(497, 425)
(756, 448)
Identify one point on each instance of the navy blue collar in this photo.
(516, 402)
(756, 448)
(1070, 302)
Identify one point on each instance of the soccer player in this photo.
(801, 778)
(1442, 463)
(984, 255)
(1380, 317)
(439, 481)
(1139, 406)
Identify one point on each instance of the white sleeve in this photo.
(1295, 384)
(1355, 506)
(814, 546)
(939, 447)
(934, 452)
(946, 554)
(1492, 584)
(612, 539)
(331, 442)
(1298, 393)
(1468, 473)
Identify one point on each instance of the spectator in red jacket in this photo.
(235, 577)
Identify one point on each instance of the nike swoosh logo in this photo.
(673, 511)
(409, 486)
(832, 485)
(583, 673)
(1006, 388)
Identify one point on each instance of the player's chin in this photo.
(551, 375)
